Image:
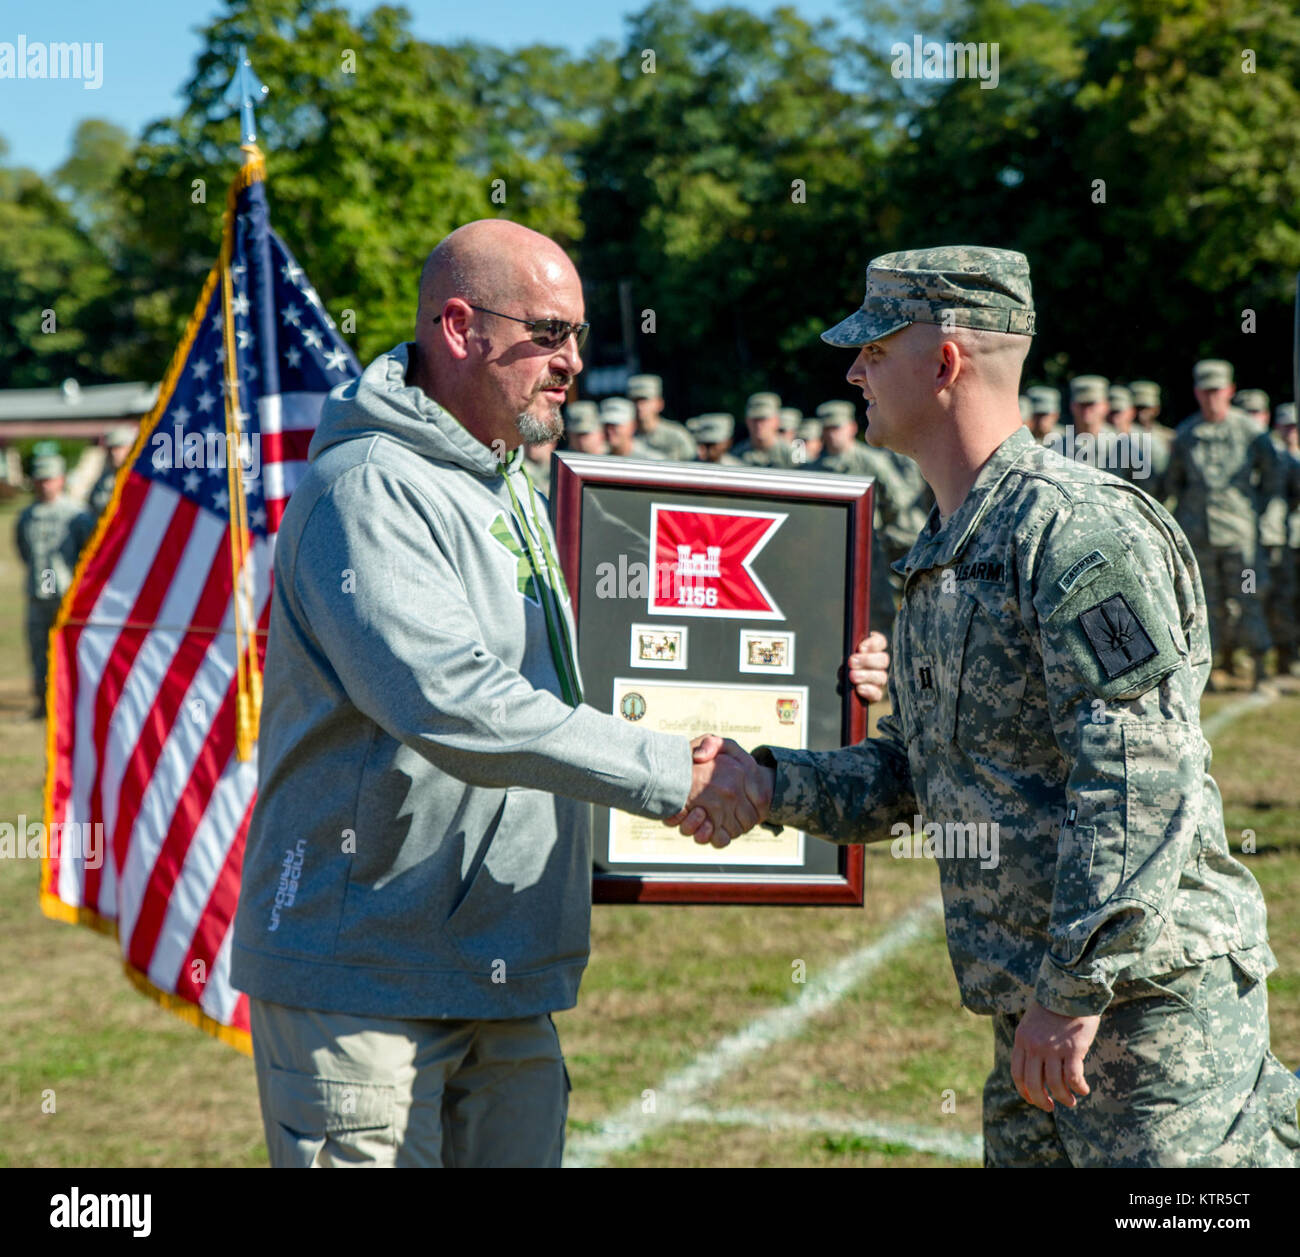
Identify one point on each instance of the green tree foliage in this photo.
(1152, 106)
(732, 171)
(56, 316)
(362, 139)
(729, 170)
(88, 179)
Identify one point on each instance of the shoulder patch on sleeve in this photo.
(1116, 635)
(1108, 614)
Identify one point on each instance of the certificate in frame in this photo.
(767, 573)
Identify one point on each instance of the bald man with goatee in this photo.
(416, 891)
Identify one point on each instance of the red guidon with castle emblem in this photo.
(703, 562)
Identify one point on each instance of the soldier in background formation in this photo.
(50, 533)
(537, 463)
(117, 445)
(1223, 485)
(808, 444)
(1254, 401)
(1284, 560)
(765, 448)
(583, 431)
(1224, 480)
(665, 437)
(1231, 487)
(713, 433)
(619, 417)
(842, 452)
(1044, 411)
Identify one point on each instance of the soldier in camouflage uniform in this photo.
(583, 431)
(764, 447)
(117, 445)
(807, 447)
(907, 507)
(712, 433)
(1132, 446)
(1254, 402)
(664, 436)
(1225, 482)
(1088, 438)
(1045, 411)
(618, 415)
(50, 534)
(537, 463)
(789, 419)
(1050, 655)
(1284, 559)
(1155, 436)
(843, 454)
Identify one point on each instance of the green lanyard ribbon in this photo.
(549, 586)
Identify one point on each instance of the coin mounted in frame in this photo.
(765, 650)
(650, 548)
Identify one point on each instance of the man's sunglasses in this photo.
(549, 333)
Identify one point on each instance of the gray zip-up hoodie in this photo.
(419, 847)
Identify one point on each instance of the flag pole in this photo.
(245, 89)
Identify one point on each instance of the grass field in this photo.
(887, 1071)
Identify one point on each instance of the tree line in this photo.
(721, 177)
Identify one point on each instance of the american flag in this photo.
(144, 683)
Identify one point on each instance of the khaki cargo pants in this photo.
(339, 1090)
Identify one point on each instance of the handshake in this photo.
(730, 791)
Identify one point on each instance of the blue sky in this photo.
(149, 48)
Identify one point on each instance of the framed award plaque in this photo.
(713, 599)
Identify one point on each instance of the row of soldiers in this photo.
(50, 534)
(777, 436)
(1230, 477)
(1232, 485)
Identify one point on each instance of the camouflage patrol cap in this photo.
(1119, 397)
(1251, 399)
(1045, 400)
(711, 428)
(834, 414)
(1026, 409)
(645, 386)
(47, 466)
(1284, 415)
(1212, 373)
(760, 405)
(1145, 393)
(1089, 388)
(810, 430)
(957, 285)
(617, 410)
(790, 417)
(119, 437)
(582, 418)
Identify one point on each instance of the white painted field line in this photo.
(680, 1091)
(1214, 725)
(924, 1139)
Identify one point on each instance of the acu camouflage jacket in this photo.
(1048, 662)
